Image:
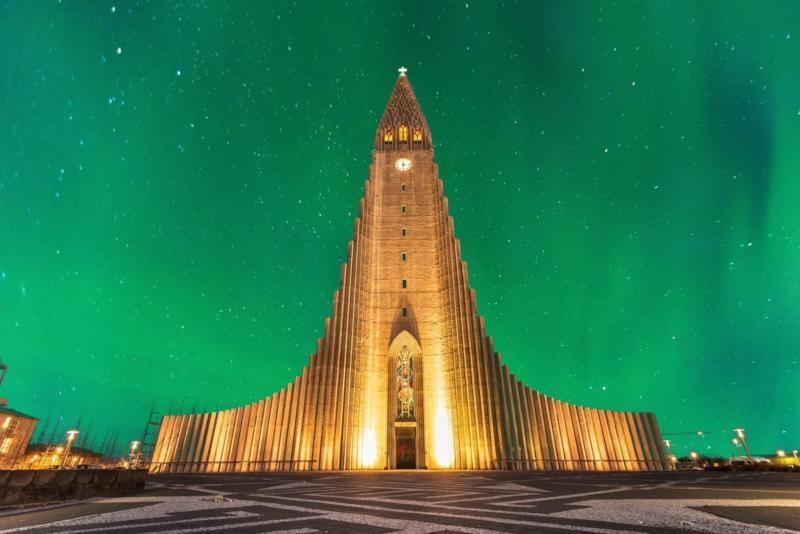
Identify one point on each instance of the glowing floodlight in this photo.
(369, 447)
(443, 438)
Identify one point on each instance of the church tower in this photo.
(405, 375)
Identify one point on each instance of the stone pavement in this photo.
(435, 502)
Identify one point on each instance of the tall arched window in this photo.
(402, 134)
(417, 135)
(405, 385)
(388, 136)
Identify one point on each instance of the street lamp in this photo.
(71, 435)
(668, 445)
(740, 434)
(780, 453)
(134, 448)
(737, 444)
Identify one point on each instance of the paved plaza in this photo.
(430, 502)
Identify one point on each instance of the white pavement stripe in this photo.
(748, 490)
(231, 515)
(450, 527)
(512, 486)
(236, 527)
(482, 498)
(445, 496)
(525, 502)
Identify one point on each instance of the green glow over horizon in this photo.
(178, 184)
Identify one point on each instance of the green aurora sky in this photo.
(178, 183)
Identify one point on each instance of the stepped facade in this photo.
(405, 375)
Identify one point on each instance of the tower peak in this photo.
(403, 126)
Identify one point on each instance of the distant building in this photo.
(16, 429)
(43, 456)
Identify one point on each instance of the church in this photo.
(405, 375)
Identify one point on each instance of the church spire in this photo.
(403, 126)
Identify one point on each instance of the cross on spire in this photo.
(402, 71)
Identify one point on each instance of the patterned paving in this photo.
(424, 502)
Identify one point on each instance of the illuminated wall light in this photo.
(443, 438)
(369, 448)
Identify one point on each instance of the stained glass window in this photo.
(405, 385)
(402, 134)
(417, 135)
(388, 137)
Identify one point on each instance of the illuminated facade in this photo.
(405, 375)
(16, 429)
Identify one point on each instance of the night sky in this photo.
(178, 183)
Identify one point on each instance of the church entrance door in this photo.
(406, 447)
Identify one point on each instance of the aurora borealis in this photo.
(178, 183)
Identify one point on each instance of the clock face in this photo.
(402, 164)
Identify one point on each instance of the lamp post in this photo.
(670, 456)
(71, 435)
(736, 444)
(740, 434)
(134, 448)
(796, 459)
(694, 456)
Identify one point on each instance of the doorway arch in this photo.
(405, 439)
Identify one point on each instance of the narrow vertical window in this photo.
(403, 208)
(402, 134)
(405, 385)
(403, 255)
(405, 312)
(405, 283)
(402, 187)
(388, 136)
(417, 135)
(403, 231)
